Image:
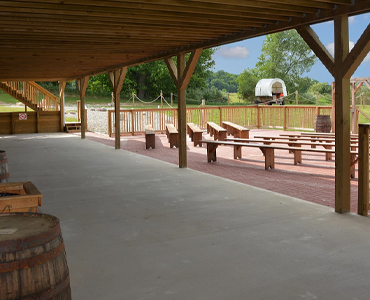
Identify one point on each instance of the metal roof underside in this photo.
(49, 40)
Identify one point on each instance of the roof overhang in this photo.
(67, 39)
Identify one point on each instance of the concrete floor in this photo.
(138, 228)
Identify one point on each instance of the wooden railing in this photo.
(281, 117)
(35, 94)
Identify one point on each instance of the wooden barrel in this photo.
(323, 123)
(33, 261)
(4, 170)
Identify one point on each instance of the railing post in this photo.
(79, 110)
(284, 125)
(220, 108)
(203, 112)
(110, 123)
(132, 122)
(296, 97)
(258, 117)
(363, 169)
(161, 99)
(133, 100)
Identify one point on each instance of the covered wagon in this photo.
(270, 91)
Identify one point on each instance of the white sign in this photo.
(23, 116)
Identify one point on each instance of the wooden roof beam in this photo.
(357, 54)
(313, 41)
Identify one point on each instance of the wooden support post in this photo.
(342, 117)
(353, 110)
(296, 97)
(363, 169)
(116, 79)
(333, 107)
(62, 86)
(82, 85)
(181, 75)
(181, 95)
(362, 100)
(341, 67)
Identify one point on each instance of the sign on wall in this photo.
(23, 116)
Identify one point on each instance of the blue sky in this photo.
(234, 58)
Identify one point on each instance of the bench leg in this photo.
(313, 140)
(328, 156)
(353, 165)
(174, 140)
(197, 136)
(150, 141)
(237, 152)
(244, 134)
(222, 135)
(269, 158)
(211, 152)
(297, 157)
(215, 135)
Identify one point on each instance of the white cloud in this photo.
(234, 52)
(330, 48)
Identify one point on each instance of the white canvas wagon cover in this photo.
(265, 87)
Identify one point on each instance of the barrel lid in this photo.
(20, 231)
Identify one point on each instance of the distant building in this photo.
(270, 91)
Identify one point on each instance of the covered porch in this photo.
(139, 228)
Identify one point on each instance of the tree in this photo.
(223, 80)
(285, 55)
(247, 82)
(147, 80)
(321, 88)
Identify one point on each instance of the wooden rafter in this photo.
(313, 41)
(65, 40)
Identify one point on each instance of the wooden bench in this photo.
(172, 135)
(269, 152)
(216, 131)
(299, 143)
(149, 137)
(195, 133)
(236, 130)
(293, 137)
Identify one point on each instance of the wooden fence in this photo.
(280, 117)
(29, 122)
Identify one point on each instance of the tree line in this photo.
(284, 55)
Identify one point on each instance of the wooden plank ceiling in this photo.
(49, 40)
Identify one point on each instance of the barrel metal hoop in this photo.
(31, 261)
(31, 241)
(51, 293)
